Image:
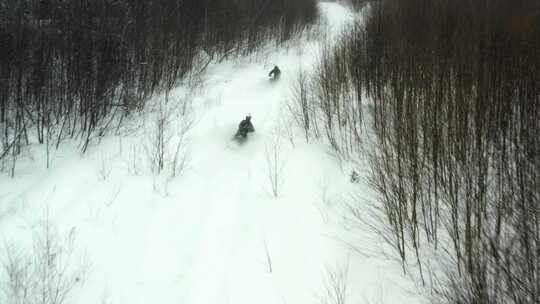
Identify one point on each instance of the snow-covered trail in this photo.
(242, 229)
(215, 234)
(231, 260)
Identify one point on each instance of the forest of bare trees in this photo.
(69, 69)
(449, 91)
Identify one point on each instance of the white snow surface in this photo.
(215, 233)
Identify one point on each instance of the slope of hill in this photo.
(217, 232)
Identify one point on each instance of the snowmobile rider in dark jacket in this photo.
(244, 127)
(276, 72)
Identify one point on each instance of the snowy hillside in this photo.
(216, 232)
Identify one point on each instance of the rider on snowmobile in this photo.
(276, 72)
(245, 127)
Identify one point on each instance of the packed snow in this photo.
(214, 233)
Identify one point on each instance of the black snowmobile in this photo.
(275, 73)
(244, 128)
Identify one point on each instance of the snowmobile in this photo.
(244, 128)
(275, 73)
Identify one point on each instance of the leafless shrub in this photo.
(167, 141)
(113, 196)
(267, 254)
(325, 202)
(105, 167)
(157, 140)
(335, 285)
(274, 166)
(47, 274)
(301, 106)
(285, 126)
(180, 158)
(134, 160)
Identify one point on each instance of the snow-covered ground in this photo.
(215, 233)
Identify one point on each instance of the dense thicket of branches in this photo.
(454, 89)
(356, 4)
(67, 65)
